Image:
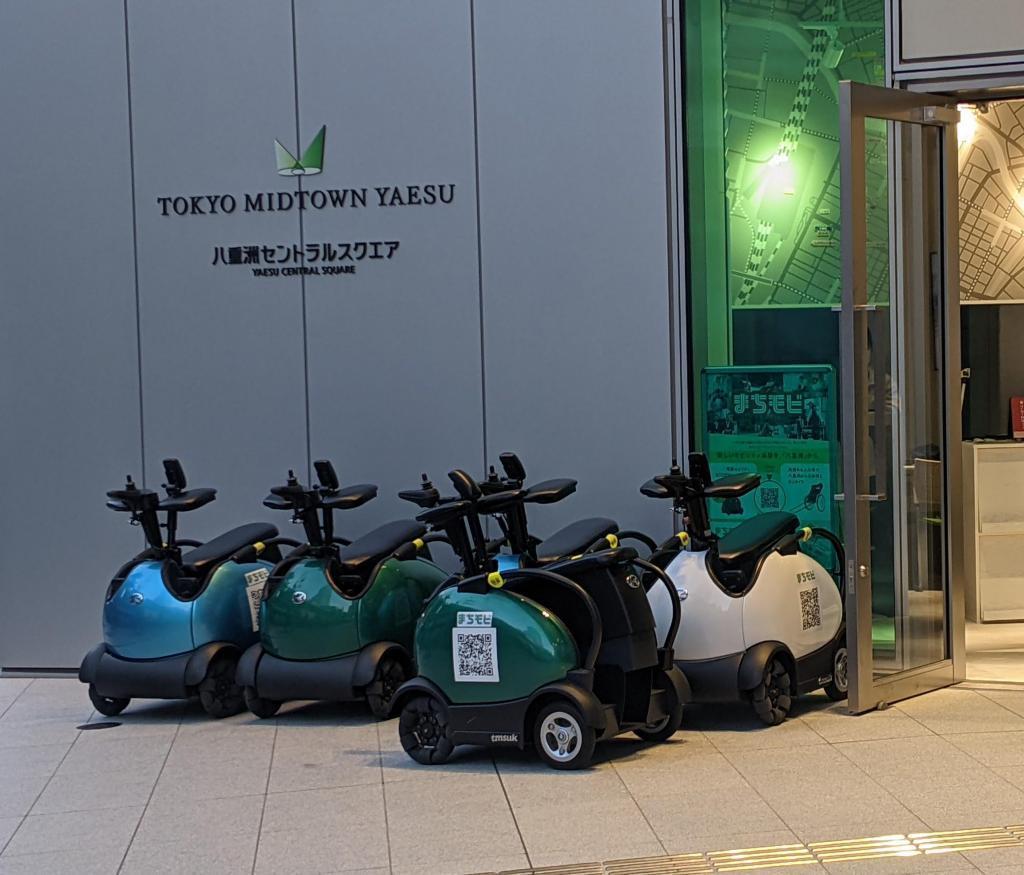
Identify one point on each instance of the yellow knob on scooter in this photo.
(495, 579)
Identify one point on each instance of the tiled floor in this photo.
(325, 789)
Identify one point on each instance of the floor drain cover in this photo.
(108, 724)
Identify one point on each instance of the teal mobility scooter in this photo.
(556, 658)
(174, 622)
(337, 617)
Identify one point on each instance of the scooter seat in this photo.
(575, 538)
(737, 557)
(362, 555)
(216, 550)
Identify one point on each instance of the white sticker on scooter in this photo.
(475, 655)
(475, 619)
(810, 608)
(254, 583)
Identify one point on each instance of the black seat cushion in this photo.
(202, 559)
(575, 538)
(365, 552)
(752, 537)
(735, 561)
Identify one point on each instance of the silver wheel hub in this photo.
(840, 669)
(561, 736)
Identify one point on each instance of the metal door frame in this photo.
(856, 103)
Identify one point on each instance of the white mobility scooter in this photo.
(762, 621)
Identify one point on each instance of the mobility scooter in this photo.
(762, 621)
(556, 658)
(337, 617)
(174, 623)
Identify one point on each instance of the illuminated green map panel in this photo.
(782, 64)
(991, 158)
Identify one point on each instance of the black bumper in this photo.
(119, 678)
(338, 679)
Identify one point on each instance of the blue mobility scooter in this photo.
(174, 622)
(337, 617)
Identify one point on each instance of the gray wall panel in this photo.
(394, 351)
(68, 375)
(222, 351)
(572, 190)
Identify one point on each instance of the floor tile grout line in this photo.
(384, 800)
(639, 808)
(512, 811)
(266, 795)
(21, 693)
(35, 801)
(145, 808)
(756, 792)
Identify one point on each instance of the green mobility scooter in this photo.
(337, 617)
(175, 621)
(556, 658)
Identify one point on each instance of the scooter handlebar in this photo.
(677, 611)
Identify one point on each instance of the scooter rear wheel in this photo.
(773, 697)
(219, 694)
(423, 730)
(837, 688)
(106, 705)
(390, 675)
(562, 737)
(262, 708)
(664, 729)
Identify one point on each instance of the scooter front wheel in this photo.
(219, 694)
(562, 737)
(106, 705)
(423, 730)
(262, 708)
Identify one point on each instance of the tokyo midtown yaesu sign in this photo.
(323, 257)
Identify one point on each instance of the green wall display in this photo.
(779, 422)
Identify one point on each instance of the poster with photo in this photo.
(778, 422)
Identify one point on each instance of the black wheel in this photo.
(562, 737)
(423, 729)
(218, 692)
(773, 697)
(390, 675)
(262, 708)
(837, 688)
(664, 729)
(107, 706)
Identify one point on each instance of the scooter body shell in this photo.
(793, 601)
(306, 618)
(145, 620)
(491, 647)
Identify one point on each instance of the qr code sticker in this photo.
(810, 609)
(770, 497)
(254, 583)
(475, 655)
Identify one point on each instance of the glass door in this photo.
(900, 340)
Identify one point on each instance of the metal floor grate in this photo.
(751, 859)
